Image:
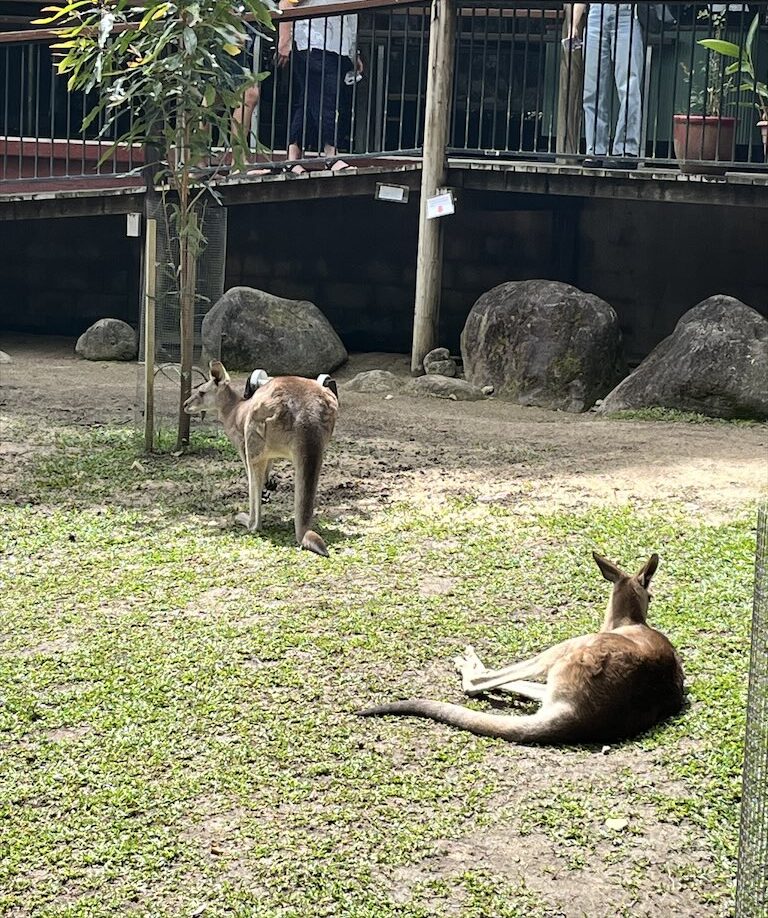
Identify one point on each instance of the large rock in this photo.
(715, 362)
(444, 387)
(108, 339)
(374, 381)
(249, 328)
(543, 343)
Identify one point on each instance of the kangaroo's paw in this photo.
(469, 666)
(244, 519)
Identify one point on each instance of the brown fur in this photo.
(599, 687)
(288, 418)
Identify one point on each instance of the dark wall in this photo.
(59, 276)
(356, 259)
(653, 261)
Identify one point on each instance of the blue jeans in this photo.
(613, 63)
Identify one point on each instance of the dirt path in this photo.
(425, 449)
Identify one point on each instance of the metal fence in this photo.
(611, 84)
(752, 876)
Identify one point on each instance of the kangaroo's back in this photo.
(619, 683)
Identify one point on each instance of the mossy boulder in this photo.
(715, 363)
(543, 343)
(250, 328)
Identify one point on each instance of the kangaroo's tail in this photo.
(548, 725)
(307, 464)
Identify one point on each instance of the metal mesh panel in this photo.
(210, 285)
(752, 877)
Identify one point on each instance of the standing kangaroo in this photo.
(288, 418)
(599, 687)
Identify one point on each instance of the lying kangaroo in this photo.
(287, 418)
(600, 687)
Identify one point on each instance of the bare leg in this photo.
(295, 152)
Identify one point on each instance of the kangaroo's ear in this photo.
(607, 568)
(647, 571)
(218, 373)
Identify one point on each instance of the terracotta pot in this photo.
(704, 139)
(763, 125)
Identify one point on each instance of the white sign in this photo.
(133, 227)
(396, 193)
(440, 206)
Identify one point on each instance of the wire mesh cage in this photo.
(210, 266)
(752, 873)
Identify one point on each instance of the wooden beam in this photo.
(437, 110)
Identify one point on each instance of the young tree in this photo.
(165, 74)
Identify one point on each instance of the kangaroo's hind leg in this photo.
(471, 666)
(477, 680)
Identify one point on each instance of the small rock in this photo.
(374, 381)
(5, 358)
(444, 387)
(605, 750)
(487, 390)
(616, 824)
(439, 362)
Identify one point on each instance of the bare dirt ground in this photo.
(427, 448)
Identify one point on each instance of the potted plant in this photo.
(744, 65)
(703, 135)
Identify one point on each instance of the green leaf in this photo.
(209, 96)
(726, 48)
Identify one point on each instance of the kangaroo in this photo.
(287, 418)
(599, 687)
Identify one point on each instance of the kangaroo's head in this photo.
(631, 596)
(204, 396)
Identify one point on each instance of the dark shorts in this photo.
(322, 101)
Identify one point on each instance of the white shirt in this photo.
(332, 33)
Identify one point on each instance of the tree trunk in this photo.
(187, 290)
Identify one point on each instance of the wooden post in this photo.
(429, 259)
(150, 275)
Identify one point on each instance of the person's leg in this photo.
(333, 102)
(597, 77)
(628, 72)
(243, 114)
(298, 76)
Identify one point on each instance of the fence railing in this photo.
(600, 85)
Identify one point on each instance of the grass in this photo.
(177, 722)
(674, 414)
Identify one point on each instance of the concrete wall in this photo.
(59, 276)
